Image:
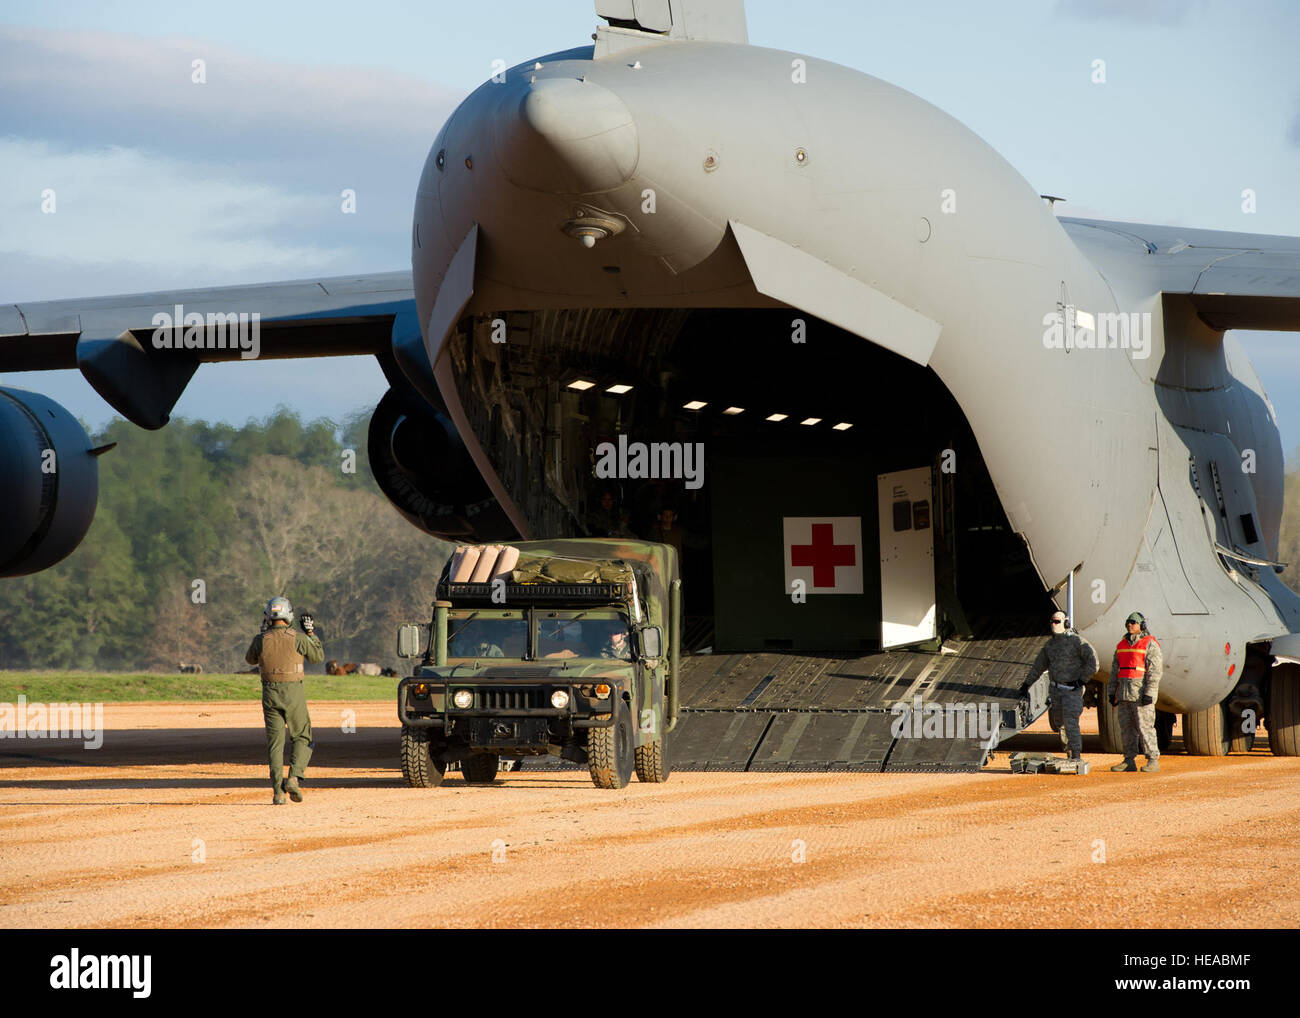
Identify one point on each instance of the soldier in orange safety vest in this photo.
(1133, 688)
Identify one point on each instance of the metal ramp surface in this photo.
(829, 712)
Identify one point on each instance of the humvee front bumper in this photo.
(496, 700)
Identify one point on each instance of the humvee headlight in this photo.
(463, 698)
(602, 691)
(559, 699)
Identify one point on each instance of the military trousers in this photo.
(284, 709)
(1064, 710)
(1137, 727)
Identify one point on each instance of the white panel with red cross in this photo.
(825, 552)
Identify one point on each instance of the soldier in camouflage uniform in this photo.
(1134, 685)
(1071, 661)
(279, 652)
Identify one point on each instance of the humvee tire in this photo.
(1284, 711)
(420, 768)
(652, 762)
(1205, 732)
(611, 757)
(480, 768)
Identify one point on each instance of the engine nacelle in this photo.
(50, 479)
(424, 469)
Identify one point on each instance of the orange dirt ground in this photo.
(170, 824)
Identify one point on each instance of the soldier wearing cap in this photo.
(1133, 688)
(279, 653)
(1071, 662)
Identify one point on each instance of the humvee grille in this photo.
(509, 698)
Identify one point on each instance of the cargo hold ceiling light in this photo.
(733, 410)
(581, 384)
(842, 426)
(776, 417)
(618, 390)
(695, 404)
(811, 420)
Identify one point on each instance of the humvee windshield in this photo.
(474, 635)
(583, 634)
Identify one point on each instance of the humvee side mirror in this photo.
(651, 639)
(408, 640)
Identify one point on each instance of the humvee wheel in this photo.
(611, 757)
(652, 762)
(480, 768)
(1205, 732)
(1284, 711)
(420, 768)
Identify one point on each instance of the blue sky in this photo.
(164, 184)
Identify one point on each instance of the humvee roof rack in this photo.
(533, 593)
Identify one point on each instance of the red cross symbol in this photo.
(823, 554)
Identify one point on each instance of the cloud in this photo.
(103, 88)
(121, 204)
(161, 182)
(1139, 12)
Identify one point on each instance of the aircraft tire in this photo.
(1284, 711)
(1164, 730)
(1112, 742)
(1205, 732)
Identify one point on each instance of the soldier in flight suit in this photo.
(1071, 661)
(1133, 688)
(279, 653)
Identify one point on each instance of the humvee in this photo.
(562, 648)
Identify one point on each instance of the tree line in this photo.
(198, 525)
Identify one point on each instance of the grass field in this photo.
(101, 687)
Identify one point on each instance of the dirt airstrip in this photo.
(170, 824)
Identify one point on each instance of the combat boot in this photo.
(1127, 765)
(277, 797)
(1151, 766)
(1075, 755)
(291, 786)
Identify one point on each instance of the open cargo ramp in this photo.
(827, 712)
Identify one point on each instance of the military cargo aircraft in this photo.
(875, 331)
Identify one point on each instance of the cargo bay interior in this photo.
(793, 422)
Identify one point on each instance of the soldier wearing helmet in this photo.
(1133, 688)
(279, 652)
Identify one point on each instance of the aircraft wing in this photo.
(115, 340)
(1234, 280)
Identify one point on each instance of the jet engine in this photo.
(50, 479)
(424, 469)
